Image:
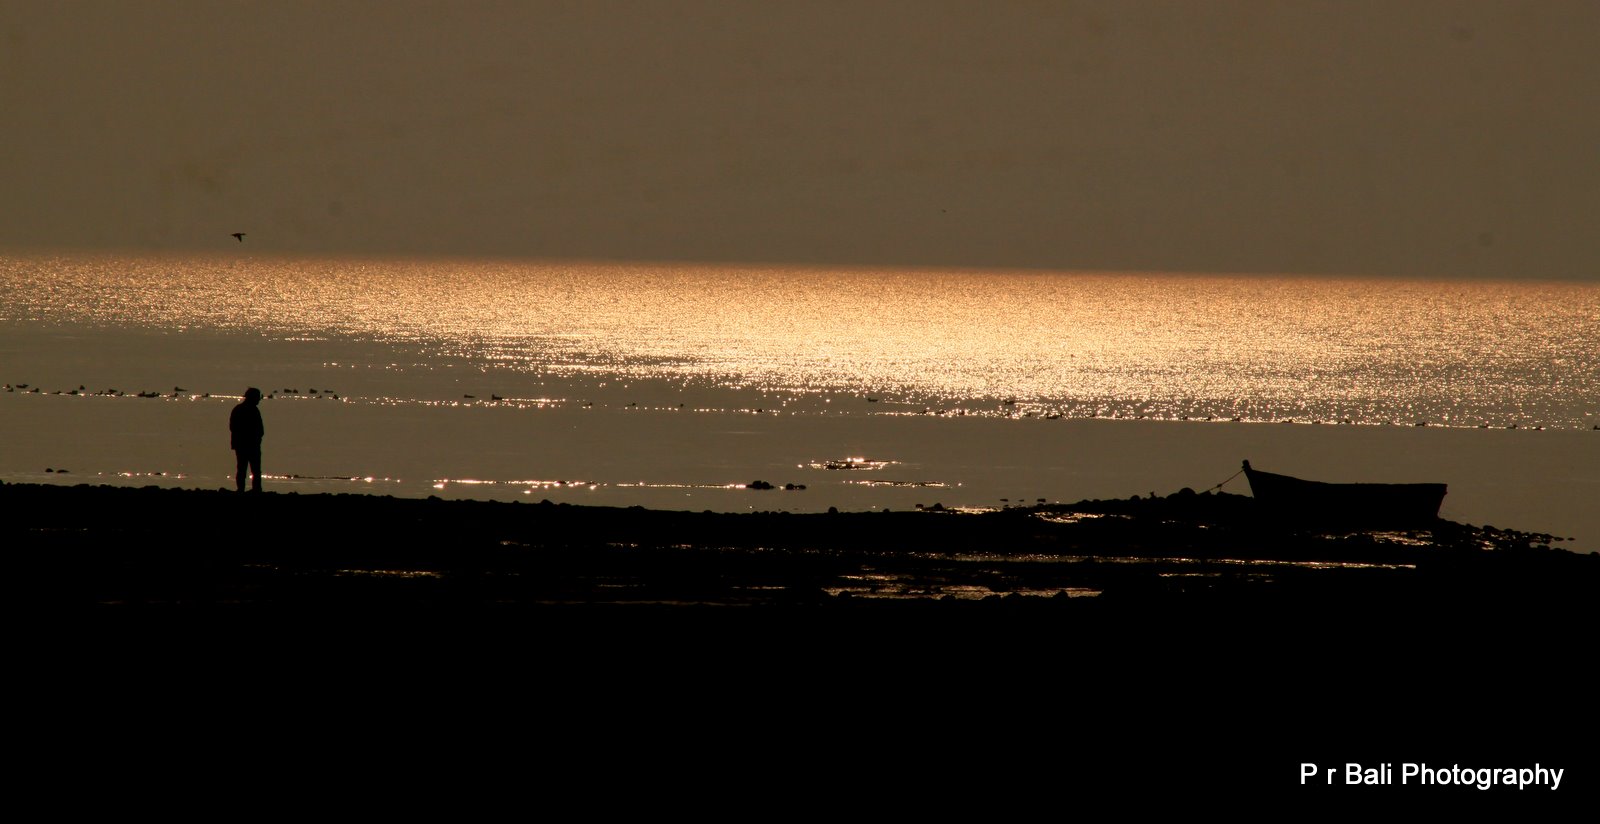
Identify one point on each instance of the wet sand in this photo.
(1180, 643)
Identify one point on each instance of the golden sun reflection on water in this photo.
(1081, 344)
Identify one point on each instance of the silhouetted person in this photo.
(245, 426)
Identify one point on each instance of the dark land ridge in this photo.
(118, 547)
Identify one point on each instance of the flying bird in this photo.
(239, 235)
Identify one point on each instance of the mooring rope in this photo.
(1230, 477)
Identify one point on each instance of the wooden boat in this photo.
(1362, 505)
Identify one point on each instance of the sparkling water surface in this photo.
(1153, 345)
(741, 388)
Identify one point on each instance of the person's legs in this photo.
(255, 471)
(243, 464)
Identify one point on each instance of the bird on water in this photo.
(239, 235)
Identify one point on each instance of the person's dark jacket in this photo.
(245, 426)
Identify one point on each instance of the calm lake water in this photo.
(679, 385)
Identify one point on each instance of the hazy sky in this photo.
(1394, 136)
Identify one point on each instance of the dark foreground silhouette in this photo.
(1209, 553)
(934, 657)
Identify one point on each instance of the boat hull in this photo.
(1361, 505)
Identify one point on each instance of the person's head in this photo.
(252, 395)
